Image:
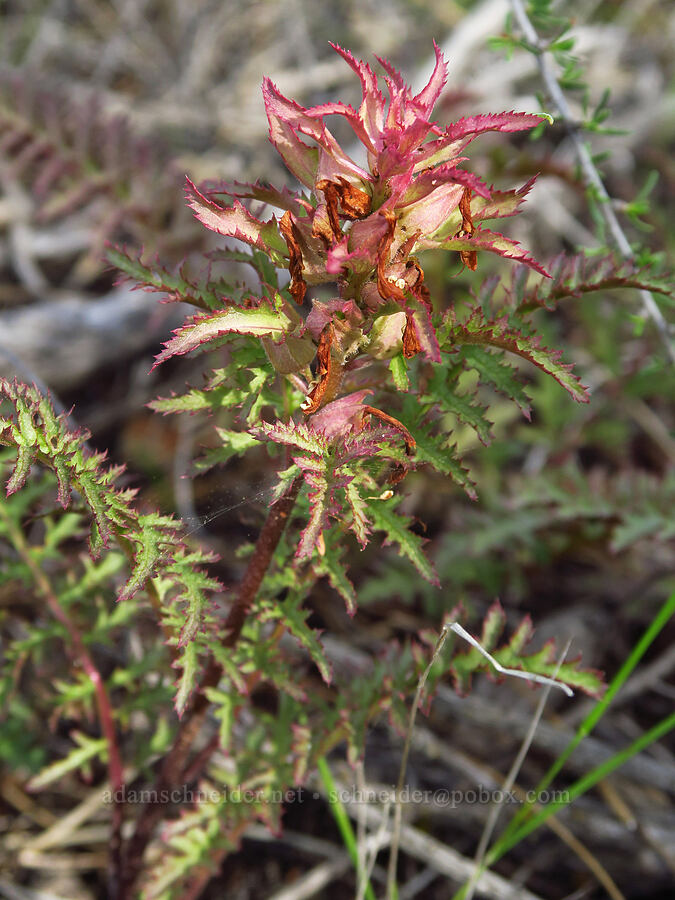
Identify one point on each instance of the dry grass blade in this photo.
(445, 860)
(528, 676)
(508, 783)
(318, 878)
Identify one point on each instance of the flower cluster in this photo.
(361, 225)
(357, 224)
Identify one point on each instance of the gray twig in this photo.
(590, 173)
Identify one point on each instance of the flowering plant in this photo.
(359, 227)
(355, 387)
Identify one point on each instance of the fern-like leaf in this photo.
(574, 276)
(330, 565)
(433, 447)
(178, 285)
(480, 331)
(510, 655)
(244, 384)
(360, 524)
(442, 390)
(290, 612)
(155, 543)
(397, 531)
(295, 435)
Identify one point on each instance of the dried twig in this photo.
(590, 173)
(528, 676)
(510, 780)
(441, 858)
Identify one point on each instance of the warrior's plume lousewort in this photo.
(358, 227)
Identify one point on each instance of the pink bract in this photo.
(360, 225)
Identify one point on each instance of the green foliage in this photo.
(244, 385)
(478, 331)
(260, 321)
(77, 760)
(201, 291)
(397, 531)
(331, 565)
(511, 655)
(293, 387)
(433, 447)
(153, 543)
(575, 276)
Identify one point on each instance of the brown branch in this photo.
(262, 556)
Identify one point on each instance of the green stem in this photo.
(581, 786)
(342, 819)
(518, 827)
(594, 716)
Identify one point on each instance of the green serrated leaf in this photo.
(201, 330)
(493, 371)
(544, 662)
(235, 443)
(300, 436)
(330, 565)
(435, 450)
(24, 460)
(360, 524)
(188, 662)
(88, 749)
(223, 711)
(318, 517)
(493, 625)
(443, 391)
(195, 589)
(150, 543)
(285, 479)
(294, 618)
(28, 435)
(397, 531)
(635, 527)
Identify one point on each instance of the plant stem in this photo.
(660, 620)
(392, 890)
(173, 766)
(105, 713)
(582, 785)
(591, 174)
(342, 821)
(262, 556)
(510, 781)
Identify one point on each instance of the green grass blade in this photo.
(598, 710)
(518, 827)
(584, 784)
(341, 818)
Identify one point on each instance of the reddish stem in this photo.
(105, 713)
(410, 444)
(173, 766)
